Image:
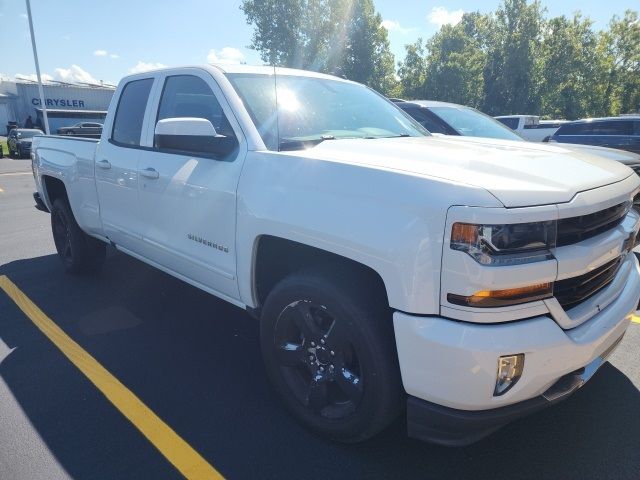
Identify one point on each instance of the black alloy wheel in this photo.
(78, 251)
(328, 346)
(62, 236)
(318, 362)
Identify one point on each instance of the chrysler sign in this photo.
(59, 102)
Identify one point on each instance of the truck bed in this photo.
(73, 159)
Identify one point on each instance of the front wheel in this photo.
(329, 351)
(78, 251)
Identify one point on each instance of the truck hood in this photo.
(518, 174)
(628, 158)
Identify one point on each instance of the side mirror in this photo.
(192, 135)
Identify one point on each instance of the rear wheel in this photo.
(78, 251)
(329, 351)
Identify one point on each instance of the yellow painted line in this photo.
(189, 462)
(635, 318)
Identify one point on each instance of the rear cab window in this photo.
(512, 123)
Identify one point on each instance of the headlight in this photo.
(510, 244)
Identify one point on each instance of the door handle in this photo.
(150, 173)
(104, 164)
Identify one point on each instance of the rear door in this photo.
(188, 198)
(116, 165)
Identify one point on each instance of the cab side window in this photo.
(188, 96)
(426, 121)
(127, 125)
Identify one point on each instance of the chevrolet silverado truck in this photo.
(462, 284)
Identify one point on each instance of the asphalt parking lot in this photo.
(194, 361)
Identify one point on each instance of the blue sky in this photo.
(92, 41)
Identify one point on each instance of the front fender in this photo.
(392, 222)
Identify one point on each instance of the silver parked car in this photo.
(82, 129)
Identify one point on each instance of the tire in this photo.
(79, 252)
(337, 371)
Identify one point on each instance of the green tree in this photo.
(363, 52)
(455, 64)
(292, 33)
(412, 71)
(570, 71)
(624, 46)
(511, 73)
(343, 37)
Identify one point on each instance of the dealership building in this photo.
(66, 103)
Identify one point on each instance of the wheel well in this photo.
(55, 189)
(277, 257)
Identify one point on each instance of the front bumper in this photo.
(448, 426)
(452, 364)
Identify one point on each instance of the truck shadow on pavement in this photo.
(195, 361)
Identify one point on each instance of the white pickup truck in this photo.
(530, 127)
(470, 280)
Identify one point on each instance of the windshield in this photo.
(28, 133)
(311, 110)
(472, 123)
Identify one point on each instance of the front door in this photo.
(188, 198)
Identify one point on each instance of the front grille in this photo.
(571, 291)
(576, 229)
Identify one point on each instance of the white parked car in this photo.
(530, 127)
(475, 281)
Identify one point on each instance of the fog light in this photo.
(509, 372)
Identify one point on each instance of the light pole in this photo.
(35, 59)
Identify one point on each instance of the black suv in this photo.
(614, 132)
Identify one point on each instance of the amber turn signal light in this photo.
(464, 233)
(503, 298)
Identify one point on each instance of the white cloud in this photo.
(105, 53)
(33, 77)
(226, 56)
(74, 74)
(441, 16)
(66, 37)
(392, 25)
(23, 15)
(146, 66)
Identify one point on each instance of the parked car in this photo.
(19, 141)
(453, 119)
(82, 129)
(530, 127)
(485, 278)
(442, 118)
(614, 132)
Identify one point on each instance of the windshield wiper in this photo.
(400, 135)
(296, 144)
